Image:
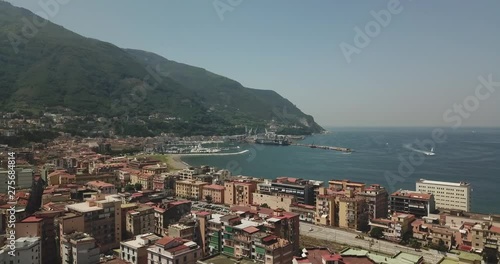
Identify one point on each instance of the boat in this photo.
(200, 149)
(277, 142)
(429, 153)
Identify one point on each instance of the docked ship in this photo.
(273, 139)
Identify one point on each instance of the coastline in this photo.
(176, 162)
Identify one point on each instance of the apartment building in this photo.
(169, 213)
(27, 250)
(486, 236)
(215, 192)
(410, 202)
(186, 232)
(447, 195)
(174, 250)
(377, 200)
(326, 208)
(155, 169)
(190, 189)
(41, 224)
(239, 192)
(274, 201)
(79, 248)
(305, 191)
(353, 213)
(102, 220)
(135, 251)
(394, 228)
(101, 187)
(343, 185)
(140, 220)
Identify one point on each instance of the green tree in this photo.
(129, 188)
(138, 186)
(264, 205)
(414, 243)
(440, 246)
(208, 198)
(490, 255)
(377, 232)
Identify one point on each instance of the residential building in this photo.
(274, 201)
(319, 256)
(169, 213)
(27, 250)
(186, 232)
(326, 209)
(214, 235)
(190, 189)
(448, 195)
(215, 192)
(343, 185)
(306, 212)
(101, 187)
(135, 251)
(79, 248)
(304, 190)
(102, 220)
(486, 236)
(377, 200)
(140, 220)
(41, 224)
(174, 250)
(394, 228)
(353, 213)
(155, 169)
(410, 202)
(239, 192)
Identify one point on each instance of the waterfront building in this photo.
(410, 202)
(448, 195)
(394, 228)
(305, 191)
(377, 200)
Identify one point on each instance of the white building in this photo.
(174, 250)
(27, 250)
(136, 250)
(79, 248)
(448, 195)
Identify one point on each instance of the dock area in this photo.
(341, 149)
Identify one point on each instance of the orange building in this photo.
(239, 192)
(215, 191)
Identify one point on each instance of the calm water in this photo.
(471, 155)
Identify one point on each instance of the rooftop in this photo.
(454, 184)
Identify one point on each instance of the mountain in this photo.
(53, 69)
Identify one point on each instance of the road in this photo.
(349, 238)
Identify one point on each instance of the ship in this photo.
(277, 142)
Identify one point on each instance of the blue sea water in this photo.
(381, 156)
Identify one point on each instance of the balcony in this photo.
(241, 238)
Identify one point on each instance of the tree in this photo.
(129, 188)
(138, 186)
(415, 243)
(208, 198)
(405, 239)
(440, 246)
(264, 205)
(377, 232)
(490, 255)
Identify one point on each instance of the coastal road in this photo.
(349, 238)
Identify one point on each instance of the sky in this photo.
(421, 67)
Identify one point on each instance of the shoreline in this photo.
(178, 164)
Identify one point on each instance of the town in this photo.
(73, 204)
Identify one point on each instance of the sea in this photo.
(391, 157)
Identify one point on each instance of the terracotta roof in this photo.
(251, 229)
(214, 187)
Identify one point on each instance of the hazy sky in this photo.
(425, 60)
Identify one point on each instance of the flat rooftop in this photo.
(83, 207)
(454, 184)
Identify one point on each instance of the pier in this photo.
(341, 149)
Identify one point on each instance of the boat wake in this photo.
(427, 153)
